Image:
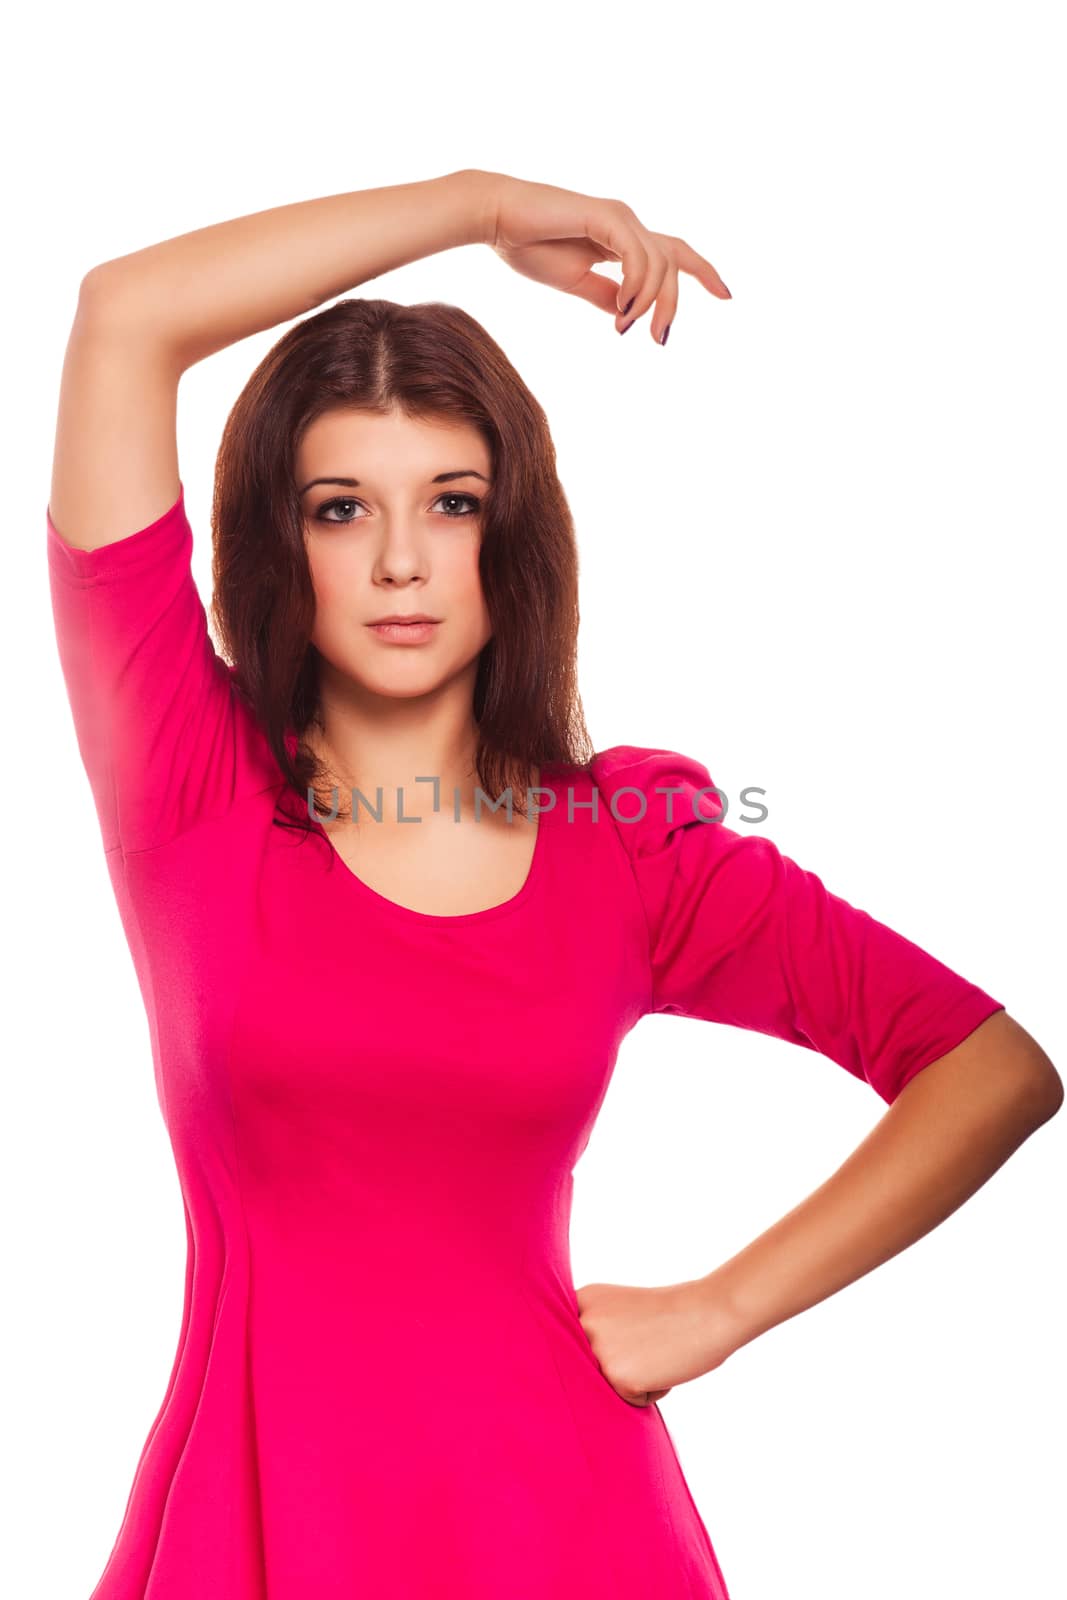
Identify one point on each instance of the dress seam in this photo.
(648, 1005)
(162, 1095)
(200, 822)
(227, 1073)
(112, 811)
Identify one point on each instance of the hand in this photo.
(647, 1340)
(556, 237)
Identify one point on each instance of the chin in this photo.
(400, 688)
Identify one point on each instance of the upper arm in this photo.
(165, 739)
(739, 933)
(115, 463)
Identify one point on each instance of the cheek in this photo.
(468, 602)
(334, 582)
(468, 584)
(331, 574)
(456, 582)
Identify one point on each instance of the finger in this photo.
(612, 224)
(599, 291)
(666, 305)
(658, 267)
(699, 268)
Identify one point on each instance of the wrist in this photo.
(722, 1320)
(476, 189)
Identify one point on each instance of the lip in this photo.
(403, 631)
(404, 616)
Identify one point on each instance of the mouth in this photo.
(409, 631)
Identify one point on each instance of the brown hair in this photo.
(430, 360)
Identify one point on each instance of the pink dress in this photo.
(381, 1385)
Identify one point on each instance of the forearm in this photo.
(947, 1132)
(201, 291)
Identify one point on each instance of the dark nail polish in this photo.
(627, 327)
(666, 331)
(628, 304)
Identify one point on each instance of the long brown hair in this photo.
(429, 360)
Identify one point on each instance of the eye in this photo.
(328, 505)
(472, 498)
(347, 500)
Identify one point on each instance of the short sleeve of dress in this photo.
(163, 736)
(738, 933)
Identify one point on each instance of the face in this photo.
(393, 525)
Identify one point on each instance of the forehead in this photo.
(358, 444)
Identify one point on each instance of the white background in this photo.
(820, 536)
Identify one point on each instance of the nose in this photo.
(400, 559)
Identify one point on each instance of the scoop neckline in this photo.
(393, 908)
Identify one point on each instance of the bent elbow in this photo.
(1040, 1087)
(1045, 1092)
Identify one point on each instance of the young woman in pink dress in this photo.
(380, 1048)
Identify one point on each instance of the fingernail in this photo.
(627, 306)
(628, 326)
(666, 331)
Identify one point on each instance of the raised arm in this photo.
(143, 319)
(115, 465)
(165, 739)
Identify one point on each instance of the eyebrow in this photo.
(353, 483)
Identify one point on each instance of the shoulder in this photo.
(652, 793)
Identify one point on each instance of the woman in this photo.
(381, 1048)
